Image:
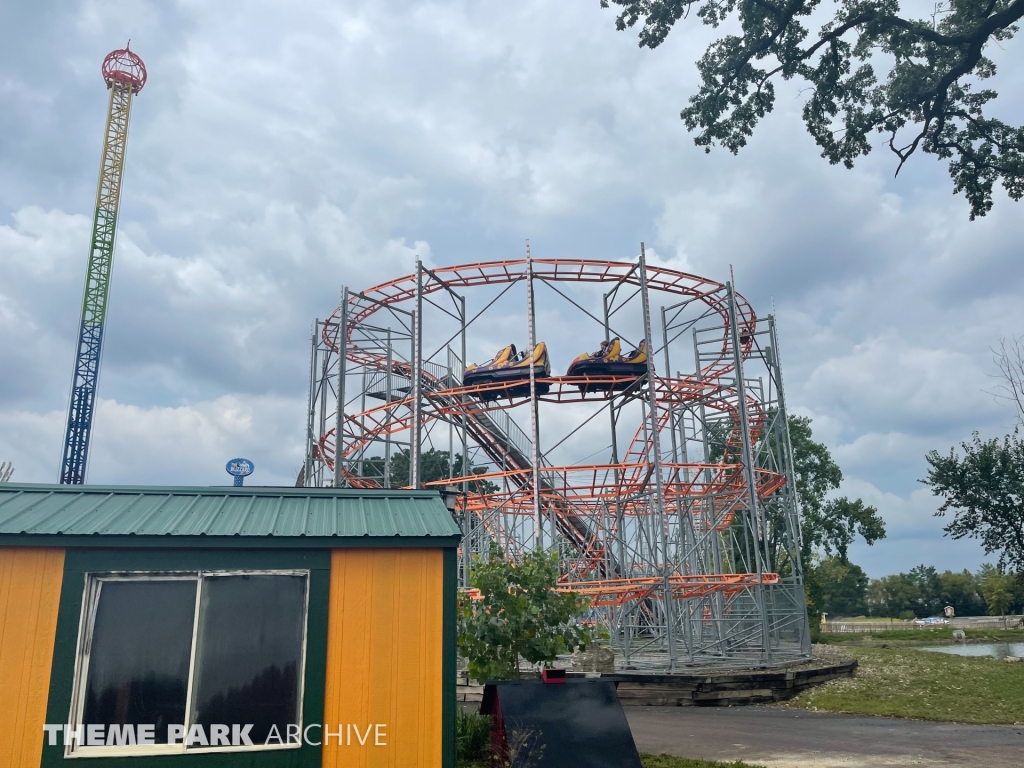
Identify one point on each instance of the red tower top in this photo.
(123, 66)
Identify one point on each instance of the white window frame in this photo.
(86, 624)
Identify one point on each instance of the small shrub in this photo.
(519, 613)
(472, 736)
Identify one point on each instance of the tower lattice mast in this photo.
(125, 75)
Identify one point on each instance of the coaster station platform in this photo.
(685, 537)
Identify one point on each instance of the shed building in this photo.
(226, 627)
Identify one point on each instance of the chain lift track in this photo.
(687, 541)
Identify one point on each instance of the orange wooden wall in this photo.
(384, 653)
(30, 581)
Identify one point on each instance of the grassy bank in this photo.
(924, 685)
(910, 637)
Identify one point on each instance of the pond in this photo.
(995, 650)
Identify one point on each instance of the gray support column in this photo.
(534, 421)
(655, 447)
(699, 375)
(467, 521)
(362, 423)
(620, 534)
(716, 541)
(387, 401)
(339, 427)
(307, 471)
(417, 381)
(451, 426)
(788, 469)
(756, 522)
(668, 373)
(465, 437)
(686, 544)
(324, 360)
(747, 452)
(683, 519)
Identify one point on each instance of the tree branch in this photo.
(1010, 360)
(923, 92)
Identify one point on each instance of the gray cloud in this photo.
(281, 149)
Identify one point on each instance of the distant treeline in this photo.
(842, 589)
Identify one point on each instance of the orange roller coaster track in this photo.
(686, 559)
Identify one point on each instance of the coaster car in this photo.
(512, 369)
(609, 361)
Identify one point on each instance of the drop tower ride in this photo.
(125, 75)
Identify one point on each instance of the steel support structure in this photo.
(339, 411)
(417, 382)
(756, 521)
(685, 538)
(531, 316)
(660, 514)
(125, 75)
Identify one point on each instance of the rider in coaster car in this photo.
(510, 367)
(609, 361)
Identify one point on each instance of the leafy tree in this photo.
(433, 466)
(838, 588)
(961, 590)
(985, 492)
(924, 592)
(829, 524)
(519, 614)
(928, 100)
(893, 596)
(998, 591)
(929, 591)
(918, 593)
(997, 582)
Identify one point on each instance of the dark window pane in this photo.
(141, 644)
(249, 652)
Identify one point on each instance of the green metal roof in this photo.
(299, 516)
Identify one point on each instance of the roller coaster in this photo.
(685, 536)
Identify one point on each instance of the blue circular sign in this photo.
(240, 467)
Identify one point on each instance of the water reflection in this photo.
(993, 650)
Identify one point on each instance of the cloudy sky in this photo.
(281, 149)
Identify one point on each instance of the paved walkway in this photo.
(794, 738)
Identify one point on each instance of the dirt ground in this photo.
(792, 738)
